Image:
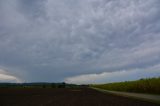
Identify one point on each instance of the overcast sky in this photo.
(79, 41)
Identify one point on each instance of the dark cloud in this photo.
(51, 40)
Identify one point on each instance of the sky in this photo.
(79, 41)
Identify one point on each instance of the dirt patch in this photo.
(64, 97)
(76, 90)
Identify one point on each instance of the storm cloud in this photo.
(62, 40)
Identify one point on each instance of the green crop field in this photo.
(150, 85)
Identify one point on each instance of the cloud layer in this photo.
(51, 40)
(117, 76)
(6, 77)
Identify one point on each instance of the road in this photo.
(142, 96)
(64, 97)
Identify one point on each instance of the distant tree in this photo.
(62, 85)
(53, 85)
(43, 86)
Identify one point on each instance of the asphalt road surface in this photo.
(64, 97)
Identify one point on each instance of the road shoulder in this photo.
(139, 96)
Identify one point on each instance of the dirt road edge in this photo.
(143, 97)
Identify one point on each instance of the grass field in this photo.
(150, 85)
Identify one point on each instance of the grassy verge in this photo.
(150, 86)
